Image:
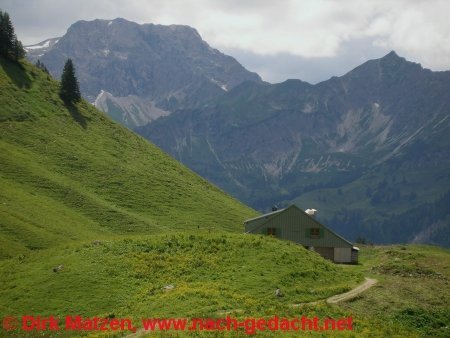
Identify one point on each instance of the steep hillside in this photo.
(137, 73)
(364, 149)
(73, 174)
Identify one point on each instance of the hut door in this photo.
(325, 252)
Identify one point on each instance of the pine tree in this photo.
(10, 46)
(69, 89)
(6, 34)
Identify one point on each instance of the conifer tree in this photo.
(69, 89)
(5, 34)
(10, 46)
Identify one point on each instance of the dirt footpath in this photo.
(352, 293)
(369, 282)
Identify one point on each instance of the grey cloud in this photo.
(280, 67)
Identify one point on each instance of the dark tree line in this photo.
(41, 66)
(10, 47)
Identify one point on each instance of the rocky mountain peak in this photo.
(392, 55)
(391, 63)
(163, 68)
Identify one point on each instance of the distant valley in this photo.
(370, 150)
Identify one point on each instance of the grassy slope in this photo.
(72, 174)
(214, 273)
(413, 293)
(210, 272)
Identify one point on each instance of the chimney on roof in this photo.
(311, 212)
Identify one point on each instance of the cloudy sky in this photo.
(307, 39)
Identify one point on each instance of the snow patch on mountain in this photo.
(222, 85)
(44, 44)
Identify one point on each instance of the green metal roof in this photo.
(263, 219)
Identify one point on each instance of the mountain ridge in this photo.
(293, 141)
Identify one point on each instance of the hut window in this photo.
(314, 232)
(272, 231)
